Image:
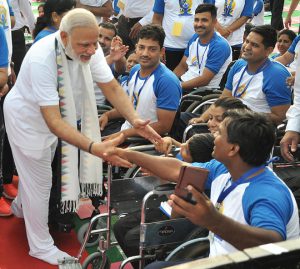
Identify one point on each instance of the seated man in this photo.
(208, 54)
(257, 81)
(242, 211)
(154, 89)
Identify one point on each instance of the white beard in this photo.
(70, 52)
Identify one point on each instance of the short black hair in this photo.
(253, 132)
(268, 33)
(201, 147)
(207, 8)
(110, 26)
(154, 32)
(248, 27)
(230, 103)
(291, 34)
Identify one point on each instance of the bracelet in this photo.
(90, 147)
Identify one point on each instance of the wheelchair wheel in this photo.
(204, 104)
(94, 261)
(93, 239)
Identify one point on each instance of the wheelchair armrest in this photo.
(104, 107)
(165, 187)
(136, 140)
(191, 97)
(205, 91)
(143, 148)
(196, 128)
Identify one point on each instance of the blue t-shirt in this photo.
(260, 91)
(44, 33)
(4, 50)
(165, 86)
(11, 12)
(258, 7)
(215, 168)
(161, 89)
(263, 201)
(215, 56)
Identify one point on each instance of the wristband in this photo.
(90, 147)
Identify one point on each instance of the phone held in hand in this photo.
(190, 175)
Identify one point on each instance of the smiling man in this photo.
(53, 92)
(208, 54)
(257, 81)
(241, 211)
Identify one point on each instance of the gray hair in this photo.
(77, 17)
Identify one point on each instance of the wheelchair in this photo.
(143, 193)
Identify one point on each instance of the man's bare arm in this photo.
(163, 167)
(106, 10)
(157, 18)
(286, 58)
(200, 81)
(3, 77)
(181, 68)
(278, 113)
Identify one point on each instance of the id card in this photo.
(177, 28)
(121, 4)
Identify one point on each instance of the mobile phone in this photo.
(190, 175)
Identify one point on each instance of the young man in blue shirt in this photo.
(207, 55)
(154, 90)
(259, 82)
(241, 211)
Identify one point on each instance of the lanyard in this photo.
(224, 193)
(200, 63)
(261, 68)
(136, 97)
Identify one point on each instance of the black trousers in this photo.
(276, 7)
(2, 135)
(173, 58)
(124, 28)
(7, 164)
(19, 49)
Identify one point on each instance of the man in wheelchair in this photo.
(249, 205)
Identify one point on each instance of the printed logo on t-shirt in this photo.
(185, 7)
(229, 7)
(194, 61)
(3, 17)
(240, 92)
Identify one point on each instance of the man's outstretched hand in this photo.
(145, 130)
(106, 151)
